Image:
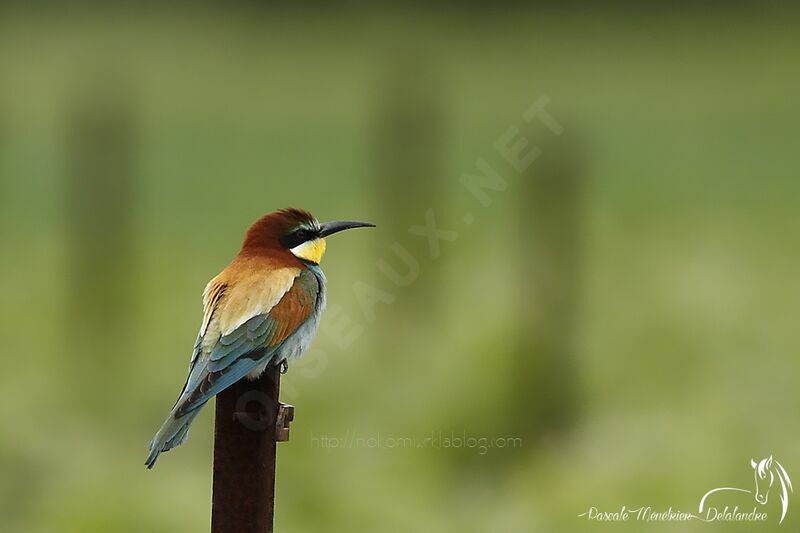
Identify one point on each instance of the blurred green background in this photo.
(619, 324)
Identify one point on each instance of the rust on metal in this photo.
(248, 418)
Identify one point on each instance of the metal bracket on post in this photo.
(285, 417)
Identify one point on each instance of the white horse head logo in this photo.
(766, 472)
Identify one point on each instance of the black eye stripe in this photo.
(297, 237)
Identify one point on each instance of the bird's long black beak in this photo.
(329, 228)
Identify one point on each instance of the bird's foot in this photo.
(284, 366)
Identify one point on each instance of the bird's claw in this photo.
(284, 366)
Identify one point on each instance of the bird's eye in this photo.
(301, 235)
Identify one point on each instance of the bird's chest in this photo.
(300, 340)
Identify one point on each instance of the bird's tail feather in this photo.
(173, 433)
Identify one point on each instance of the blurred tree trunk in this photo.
(3, 172)
(408, 181)
(100, 196)
(544, 395)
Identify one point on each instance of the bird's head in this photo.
(295, 231)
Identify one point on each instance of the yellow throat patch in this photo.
(311, 251)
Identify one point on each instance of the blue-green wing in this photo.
(257, 340)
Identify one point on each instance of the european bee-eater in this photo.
(262, 309)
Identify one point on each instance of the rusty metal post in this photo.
(249, 423)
